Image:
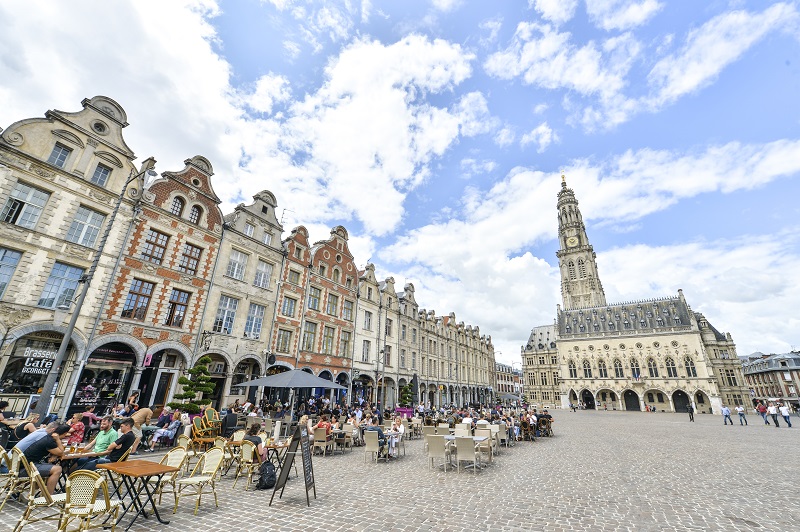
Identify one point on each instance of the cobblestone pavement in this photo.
(601, 471)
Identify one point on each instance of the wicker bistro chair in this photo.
(185, 442)
(249, 462)
(176, 457)
(203, 475)
(212, 421)
(14, 483)
(467, 451)
(321, 440)
(488, 446)
(227, 453)
(372, 445)
(82, 502)
(238, 435)
(41, 505)
(437, 448)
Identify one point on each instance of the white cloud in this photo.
(712, 47)
(473, 113)
(621, 14)
(504, 137)
(292, 49)
(446, 5)
(541, 135)
(492, 26)
(540, 108)
(556, 11)
(269, 90)
(471, 167)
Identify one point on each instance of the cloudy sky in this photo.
(436, 131)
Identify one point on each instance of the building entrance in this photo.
(632, 401)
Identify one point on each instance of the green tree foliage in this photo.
(406, 393)
(196, 388)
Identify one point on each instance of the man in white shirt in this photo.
(785, 413)
(772, 410)
(742, 418)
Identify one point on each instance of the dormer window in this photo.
(58, 157)
(249, 229)
(100, 176)
(195, 214)
(177, 206)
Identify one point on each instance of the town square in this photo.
(431, 265)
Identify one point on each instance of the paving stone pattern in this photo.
(601, 471)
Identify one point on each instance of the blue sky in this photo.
(436, 131)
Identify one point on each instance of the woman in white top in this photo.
(307, 421)
(786, 413)
(397, 433)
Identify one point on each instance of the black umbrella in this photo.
(295, 378)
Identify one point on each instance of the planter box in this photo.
(404, 412)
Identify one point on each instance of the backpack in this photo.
(267, 476)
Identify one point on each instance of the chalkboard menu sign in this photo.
(300, 438)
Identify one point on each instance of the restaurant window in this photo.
(177, 206)
(8, 264)
(138, 300)
(314, 295)
(236, 265)
(347, 310)
(255, 319)
(30, 361)
(85, 226)
(344, 343)
(61, 286)
(190, 258)
(100, 175)
(58, 157)
(24, 206)
(288, 307)
(333, 304)
(263, 274)
(284, 341)
(328, 338)
(226, 314)
(176, 310)
(309, 336)
(155, 245)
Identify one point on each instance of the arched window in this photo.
(691, 371)
(587, 370)
(619, 373)
(635, 369)
(573, 371)
(571, 270)
(652, 367)
(581, 268)
(602, 369)
(195, 214)
(177, 206)
(672, 371)
(337, 275)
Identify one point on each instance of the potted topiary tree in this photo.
(406, 401)
(195, 388)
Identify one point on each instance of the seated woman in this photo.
(305, 420)
(324, 424)
(398, 430)
(252, 436)
(26, 426)
(91, 418)
(169, 431)
(76, 429)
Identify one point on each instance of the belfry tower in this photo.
(580, 282)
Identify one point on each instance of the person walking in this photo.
(690, 409)
(762, 411)
(772, 410)
(726, 415)
(785, 413)
(742, 417)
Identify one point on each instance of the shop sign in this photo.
(38, 361)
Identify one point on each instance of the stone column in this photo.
(226, 389)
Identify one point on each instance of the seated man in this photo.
(100, 444)
(47, 447)
(374, 427)
(116, 449)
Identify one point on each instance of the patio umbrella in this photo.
(295, 378)
(510, 397)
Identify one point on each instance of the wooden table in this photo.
(272, 451)
(131, 473)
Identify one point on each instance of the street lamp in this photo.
(48, 389)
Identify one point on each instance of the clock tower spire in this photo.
(580, 282)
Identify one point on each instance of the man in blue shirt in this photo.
(381, 436)
(726, 415)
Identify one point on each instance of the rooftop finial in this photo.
(563, 180)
